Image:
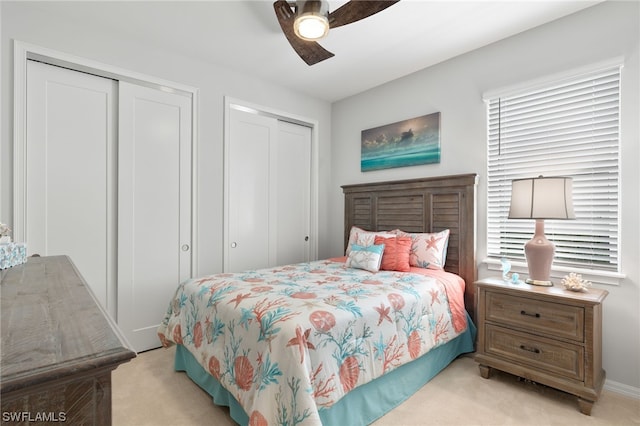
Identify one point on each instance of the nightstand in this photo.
(548, 335)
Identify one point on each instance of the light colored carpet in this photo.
(147, 391)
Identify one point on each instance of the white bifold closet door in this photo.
(108, 182)
(268, 193)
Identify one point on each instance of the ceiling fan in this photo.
(304, 22)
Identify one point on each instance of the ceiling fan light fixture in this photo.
(312, 21)
(304, 22)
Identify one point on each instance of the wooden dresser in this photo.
(545, 334)
(58, 346)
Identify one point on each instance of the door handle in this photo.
(234, 244)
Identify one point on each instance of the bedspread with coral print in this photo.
(288, 342)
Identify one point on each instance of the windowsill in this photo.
(559, 272)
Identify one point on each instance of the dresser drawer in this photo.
(537, 316)
(557, 358)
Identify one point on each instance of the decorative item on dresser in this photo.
(545, 334)
(11, 254)
(58, 346)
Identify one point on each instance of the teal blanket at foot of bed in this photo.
(371, 400)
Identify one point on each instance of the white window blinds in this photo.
(570, 128)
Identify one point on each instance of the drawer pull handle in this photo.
(536, 315)
(530, 349)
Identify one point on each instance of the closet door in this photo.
(250, 219)
(154, 207)
(268, 192)
(293, 198)
(70, 172)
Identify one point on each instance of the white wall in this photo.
(25, 21)
(455, 88)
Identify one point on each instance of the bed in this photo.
(316, 342)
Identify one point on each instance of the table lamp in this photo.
(541, 198)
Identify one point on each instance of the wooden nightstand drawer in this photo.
(536, 316)
(536, 352)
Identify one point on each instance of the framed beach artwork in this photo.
(406, 143)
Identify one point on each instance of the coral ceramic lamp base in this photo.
(539, 252)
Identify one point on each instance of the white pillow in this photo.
(364, 238)
(368, 258)
(428, 250)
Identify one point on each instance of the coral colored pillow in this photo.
(396, 253)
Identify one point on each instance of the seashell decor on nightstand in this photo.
(574, 282)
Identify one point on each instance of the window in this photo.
(567, 128)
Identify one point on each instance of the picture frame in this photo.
(411, 142)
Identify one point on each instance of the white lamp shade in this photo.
(542, 198)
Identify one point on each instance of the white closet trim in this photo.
(22, 52)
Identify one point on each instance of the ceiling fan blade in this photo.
(356, 10)
(310, 51)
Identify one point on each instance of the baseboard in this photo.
(622, 389)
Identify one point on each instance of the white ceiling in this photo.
(245, 36)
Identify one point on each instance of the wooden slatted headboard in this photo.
(422, 205)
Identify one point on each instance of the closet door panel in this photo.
(293, 177)
(249, 211)
(70, 173)
(154, 233)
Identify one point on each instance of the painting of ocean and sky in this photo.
(405, 143)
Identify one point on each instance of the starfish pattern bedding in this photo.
(290, 341)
